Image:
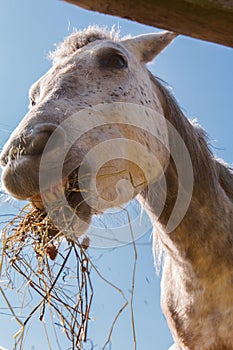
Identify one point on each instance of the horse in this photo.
(99, 119)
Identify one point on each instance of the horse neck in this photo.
(206, 228)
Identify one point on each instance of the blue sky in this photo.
(201, 76)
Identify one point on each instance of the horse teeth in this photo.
(53, 194)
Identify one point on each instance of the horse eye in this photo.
(114, 61)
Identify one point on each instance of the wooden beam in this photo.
(210, 20)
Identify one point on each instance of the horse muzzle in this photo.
(21, 159)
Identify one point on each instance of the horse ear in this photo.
(147, 46)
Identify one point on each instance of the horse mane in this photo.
(225, 177)
(207, 168)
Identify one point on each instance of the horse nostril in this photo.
(33, 142)
(3, 160)
(40, 137)
(38, 143)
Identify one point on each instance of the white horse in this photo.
(100, 113)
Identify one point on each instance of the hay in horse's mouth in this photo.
(53, 191)
(38, 251)
(68, 187)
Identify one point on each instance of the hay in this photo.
(33, 248)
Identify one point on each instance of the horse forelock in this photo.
(81, 38)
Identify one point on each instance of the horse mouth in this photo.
(67, 193)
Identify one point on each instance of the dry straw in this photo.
(33, 249)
